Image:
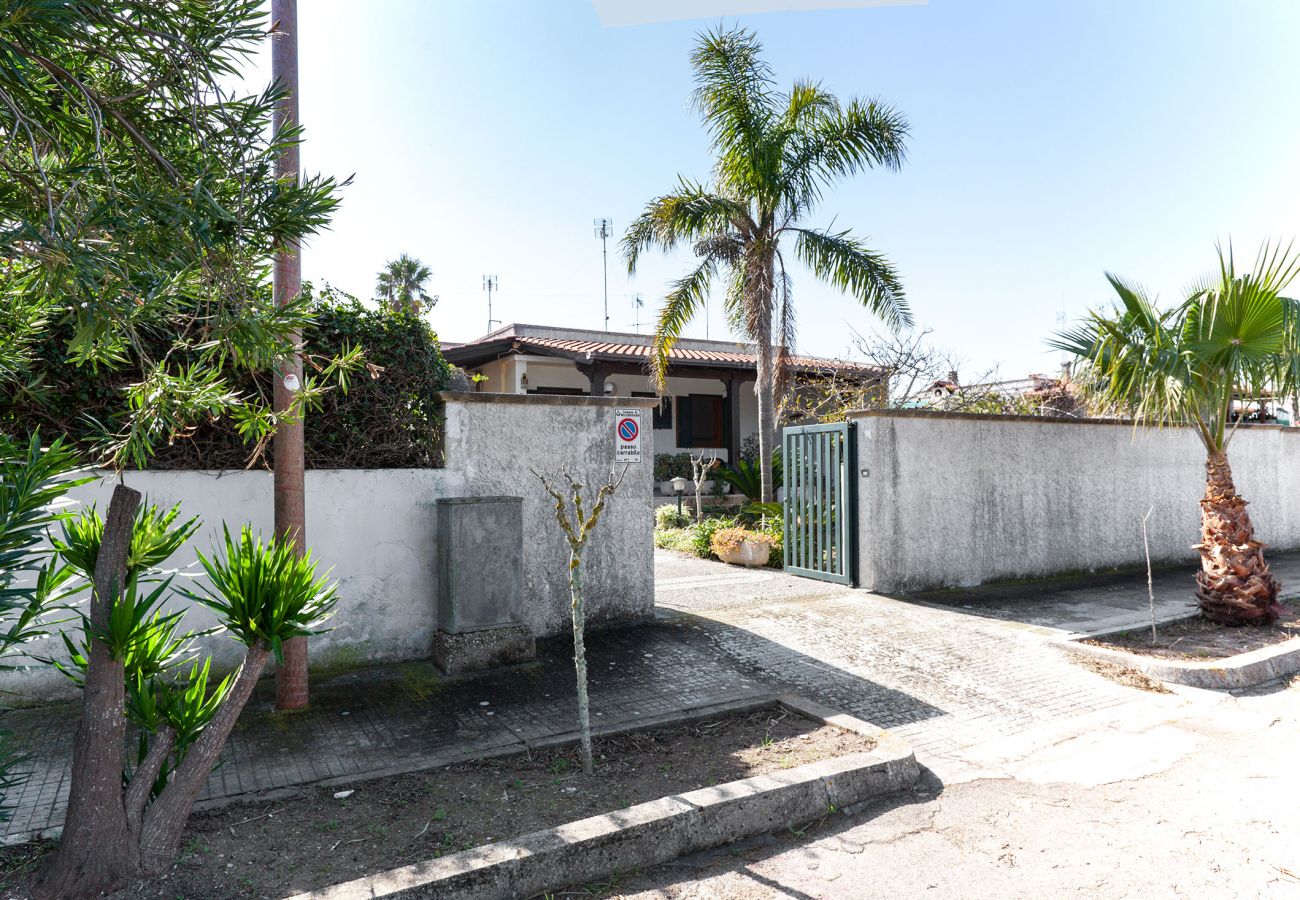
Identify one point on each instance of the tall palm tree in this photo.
(1234, 338)
(775, 152)
(400, 286)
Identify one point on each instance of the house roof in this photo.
(591, 346)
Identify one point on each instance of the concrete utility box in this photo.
(480, 547)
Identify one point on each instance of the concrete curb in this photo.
(1240, 671)
(657, 831)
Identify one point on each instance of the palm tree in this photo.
(774, 155)
(400, 286)
(1234, 337)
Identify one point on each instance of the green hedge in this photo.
(390, 417)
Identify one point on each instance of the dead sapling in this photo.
(701, 466)
(578, 523)
(1151, 591)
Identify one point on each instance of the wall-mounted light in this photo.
(609, 388)
(523, 381)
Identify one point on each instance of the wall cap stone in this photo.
(547, 399)
(1063, 420)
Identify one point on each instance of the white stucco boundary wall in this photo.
(952, 499)
(376, 528)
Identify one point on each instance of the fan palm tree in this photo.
(775, 152)
(400, 286)
(1234, 337)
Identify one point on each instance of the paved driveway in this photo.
(946, 679)
(1041, 779)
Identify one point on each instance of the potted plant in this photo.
(741, 547)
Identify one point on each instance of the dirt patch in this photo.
(1197, 638)
(1125, 675)
(273, 848)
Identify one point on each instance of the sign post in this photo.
(627, 435)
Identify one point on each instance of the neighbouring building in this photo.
(709, 402)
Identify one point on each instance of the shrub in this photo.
(730, 539)
(672, 465)
(390, 418)
(746, 477)
(678, 539)
(667, 516)
(701, 543)
(774, 529)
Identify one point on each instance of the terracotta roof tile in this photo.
(642, 351)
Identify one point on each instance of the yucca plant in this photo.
(264, 593)
(129, 661)
(1234, 339)
(155, 536)
(34, 482)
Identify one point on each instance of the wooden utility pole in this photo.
(290, 506)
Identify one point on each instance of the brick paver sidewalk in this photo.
(973, 669)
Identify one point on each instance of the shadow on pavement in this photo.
(409, 716)
(738, 858)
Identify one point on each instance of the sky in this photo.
(1050, 143)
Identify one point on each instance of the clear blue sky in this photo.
(1050, 142)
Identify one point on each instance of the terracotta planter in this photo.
(750, 553)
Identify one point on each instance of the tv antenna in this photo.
(636, 308)
(604, 229)
(490, 285)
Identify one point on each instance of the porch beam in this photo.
(732, 420)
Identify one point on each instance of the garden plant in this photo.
(578, 524)
(141, 201)
(34, 583)
(400, 286)
(774, 154)
(138, 670)
(1234, 340)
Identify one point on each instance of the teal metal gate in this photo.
(818, 466)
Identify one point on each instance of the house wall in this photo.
(947, 499)
(377, 530)
(504, 375)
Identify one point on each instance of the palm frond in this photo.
(1235, 337)
(686, 298)
(736, 96)
(839, 142)
(868, 277)
(689, 213)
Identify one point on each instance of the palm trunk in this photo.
(97, 852)
(580, 658)
(1234, 585)
(765, 387)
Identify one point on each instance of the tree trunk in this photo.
(164, 821)
(96, 852)
(1234, 585)
(291, 679)
(765, 388)
(580, 657)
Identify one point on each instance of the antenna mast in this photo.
(490, 285)
(605, 228)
